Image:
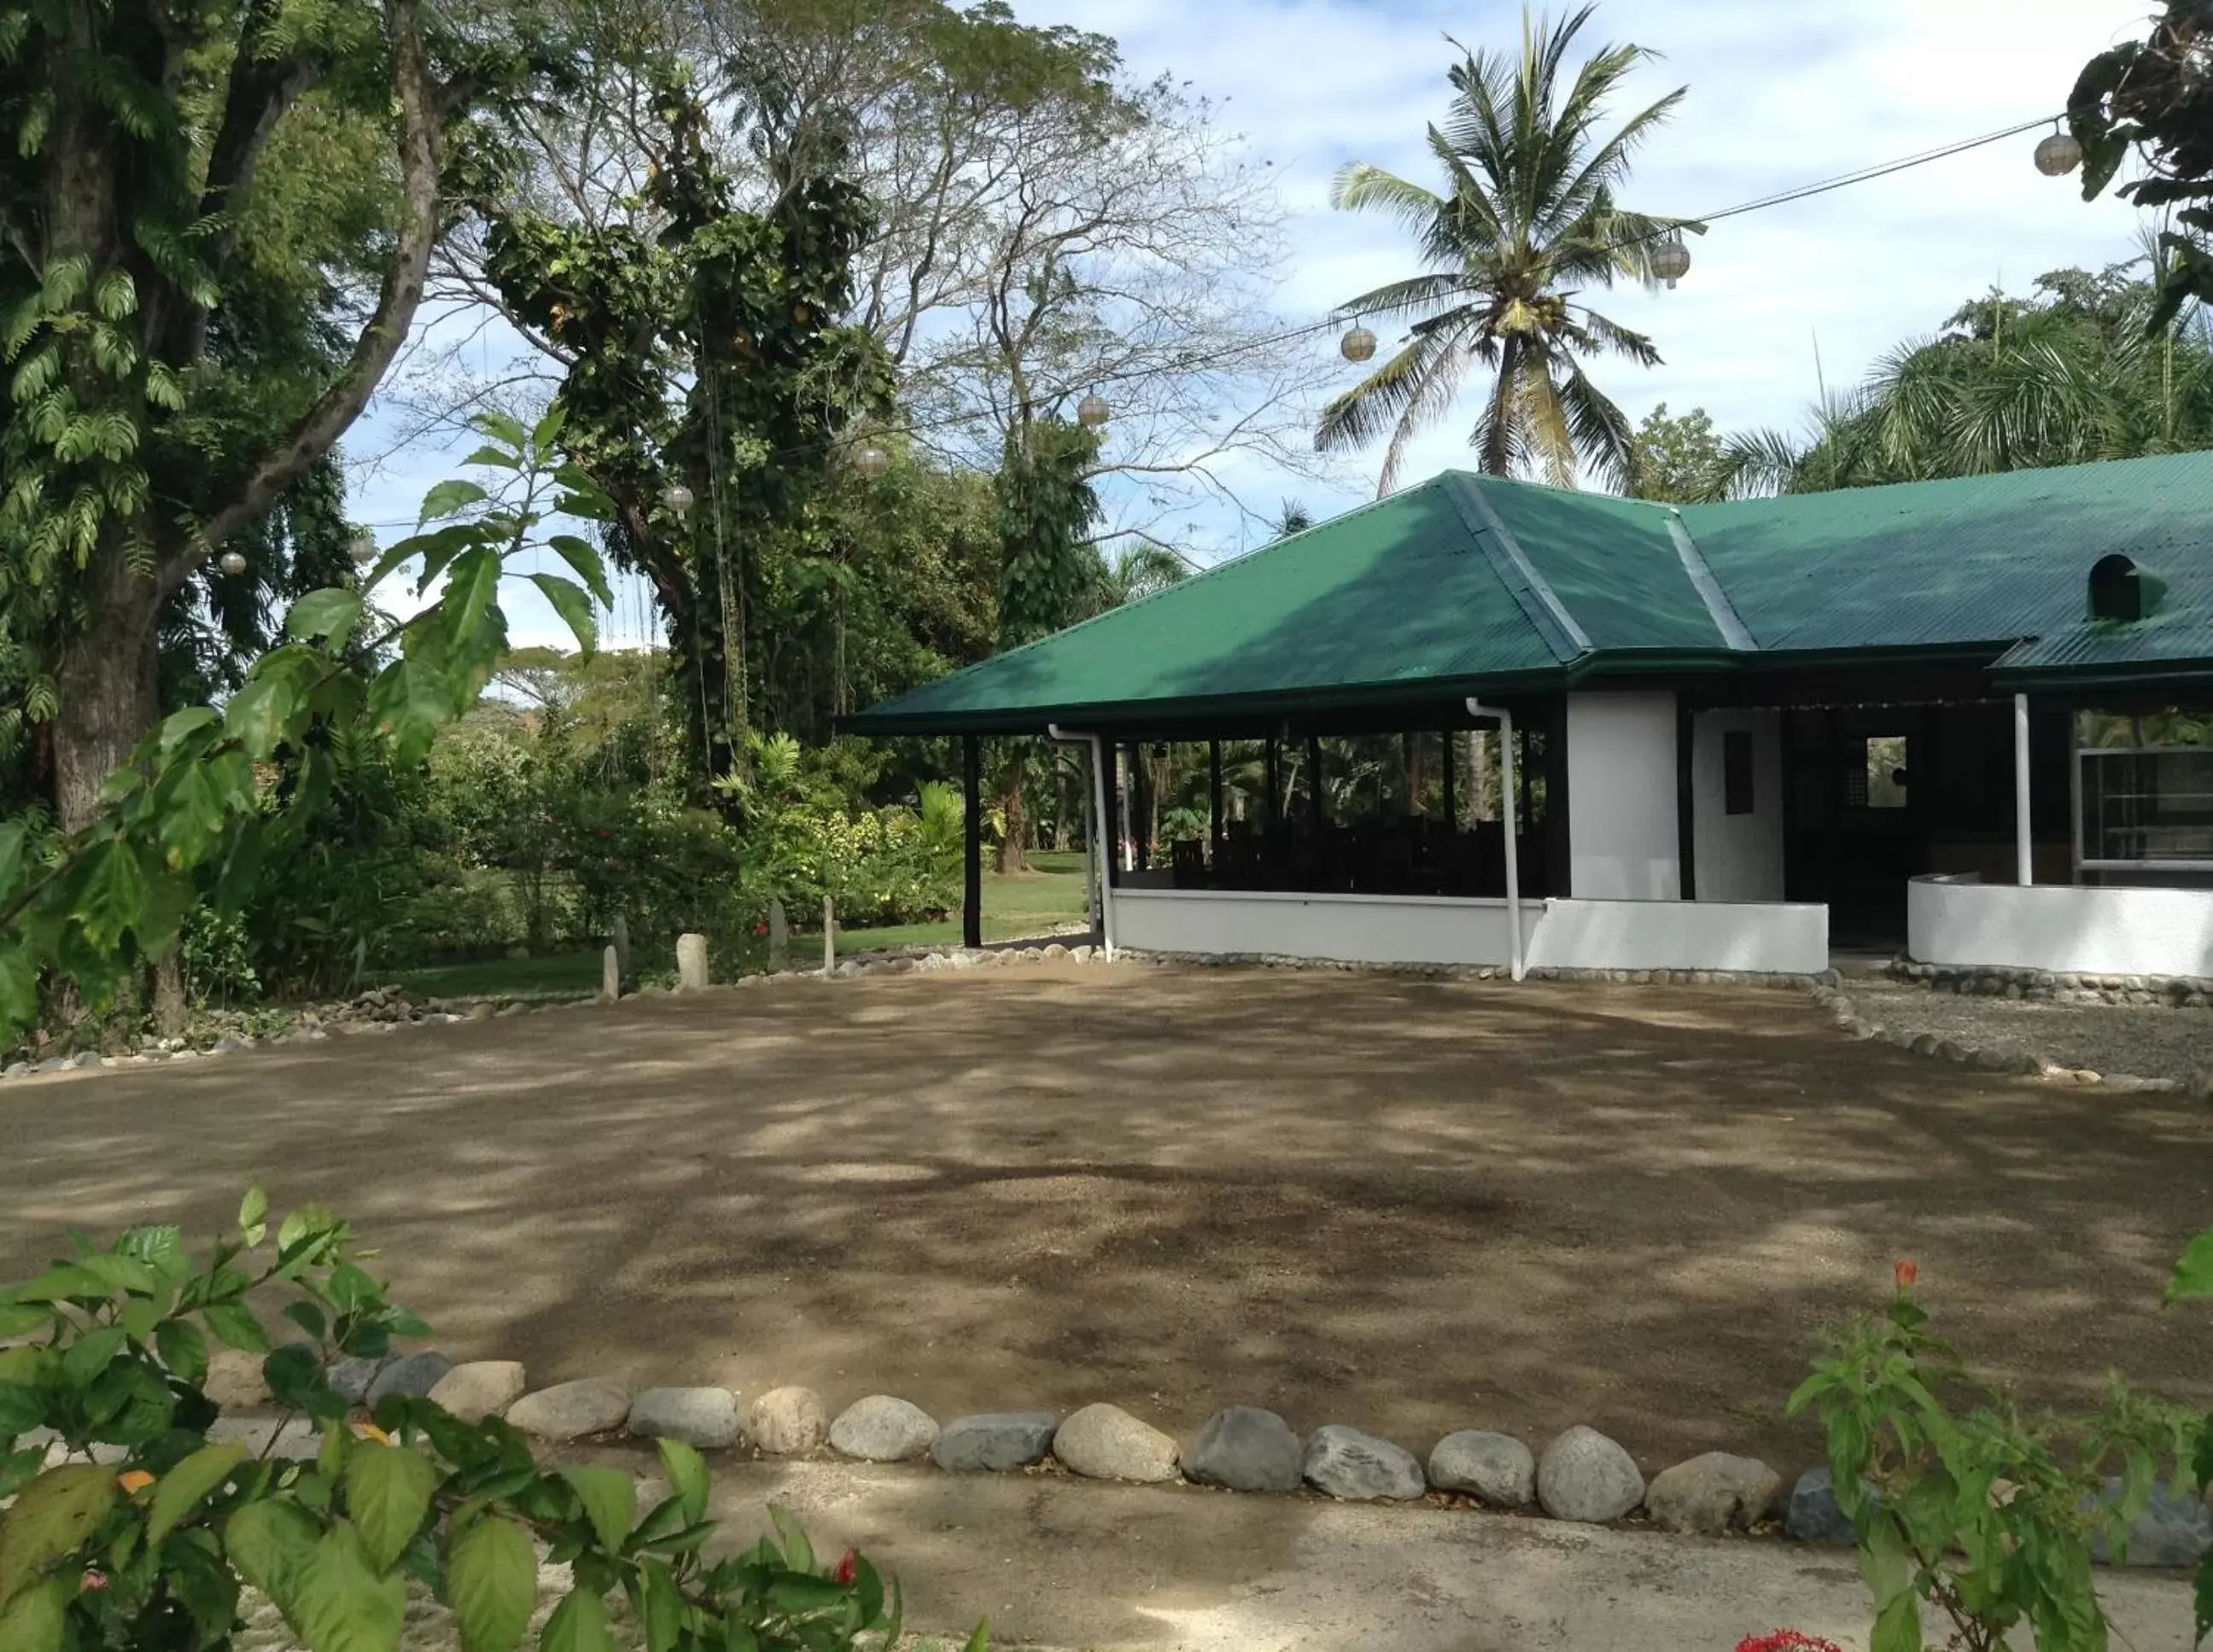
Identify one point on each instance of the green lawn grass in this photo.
(1038, 902)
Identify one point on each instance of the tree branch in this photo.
(320, 428)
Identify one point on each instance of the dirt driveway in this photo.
(1414, 1206)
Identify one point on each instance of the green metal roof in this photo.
(1467, 584)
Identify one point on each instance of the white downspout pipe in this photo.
(1477, 709)
(2023, 846)
(1098, 828)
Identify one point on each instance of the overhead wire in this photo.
(1340, 316)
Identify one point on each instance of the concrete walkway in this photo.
(1059, 1563)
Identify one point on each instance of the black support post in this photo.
(1275, 780)
(971, 844)
(1446, 740)
(1141, 805)
(1314, 785)
(1213, 795)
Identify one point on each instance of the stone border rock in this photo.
(1580, 1477)
(2059, 986)
(1845, 1016)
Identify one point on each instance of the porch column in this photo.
(1213, 798)
(1687, 802)
(972, 845)
(2024, 846)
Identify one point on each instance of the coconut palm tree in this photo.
(1528, 221)
(2071, 376)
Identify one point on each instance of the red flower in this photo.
(847, 1567)
(1786, 1640)
(96, 1580)
(1906, 1271)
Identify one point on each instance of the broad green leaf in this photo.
(233, 1322)
(34, 1620)
(254, 1215)
(388, 1492)
(579, 1624)
(110, 893)
(13, 836)
(491, 1581)
(185, 1487)
(89, 1354)
(179, 725)
(340, 1605)
(450, 497)
(53, 1516)
(1897, 1625)
(663, 1607)
(981, 1640)
(610, 1500)
(571, 602)
(504, 428)
(687, 1477)
(584, 557)
(489, 454)
(182, 1348)
(2205, 1596)
(472, 590)
(330, 612)
(257, 714)
(17, 1318)
(549, 427)
(2193, 1274)
(794, 1595)
(120, 1272)
(798, 1552)
(270, 1542)
(22, 1408)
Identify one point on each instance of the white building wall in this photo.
(1403, 929)
(1622, 835)
(2065, 928)
(1358, 929)
(1739, 856)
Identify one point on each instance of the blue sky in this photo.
(1782, 93)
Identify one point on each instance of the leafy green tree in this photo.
(2068, 376)
(2156, 96)
(703, 355)
(219, 218)
(196, 808)
(1674, 458)
(1527, 220)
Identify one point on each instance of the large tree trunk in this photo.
(105, 690)
(1015, 840)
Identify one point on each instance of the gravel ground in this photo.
(2154, 1041)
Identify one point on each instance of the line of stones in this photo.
(2059, 986)
(1848, 1018)
(1581, 1475)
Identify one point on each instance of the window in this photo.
(2148, 805)
(1736, 772)
(1882, 784)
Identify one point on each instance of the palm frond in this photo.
(1601, 430)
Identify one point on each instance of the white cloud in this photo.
(1780, 94)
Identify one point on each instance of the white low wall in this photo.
(1353, 929)
(1777, 939)
(1770, 937)
(2063, 928)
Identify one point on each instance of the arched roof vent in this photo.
(2119, 589)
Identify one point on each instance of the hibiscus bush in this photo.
(1968, 1503)
(136, 1526)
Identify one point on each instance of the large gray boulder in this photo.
(2174, 1529)
(1584, 1476)
(233, 1380)
(1814, 1515)
(1712, 1494)
(349, 1378)
(1359, 1467)
(999, 1441)
(569, 1411)
(883, 1429)
(1104, 1443)
(479, 1388)
(1247, 1449)
(411, 1376)
(788, 1422)
(707, 1417)
(1495, 1467)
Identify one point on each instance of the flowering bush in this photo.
(142, 1537)
(1786, 1640)
(1964, 1502)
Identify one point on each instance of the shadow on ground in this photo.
(1412, 1205)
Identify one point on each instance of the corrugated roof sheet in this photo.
(1467, 581)
(1396, 593)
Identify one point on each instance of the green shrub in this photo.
(142, 1538)
(1966, 1502)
